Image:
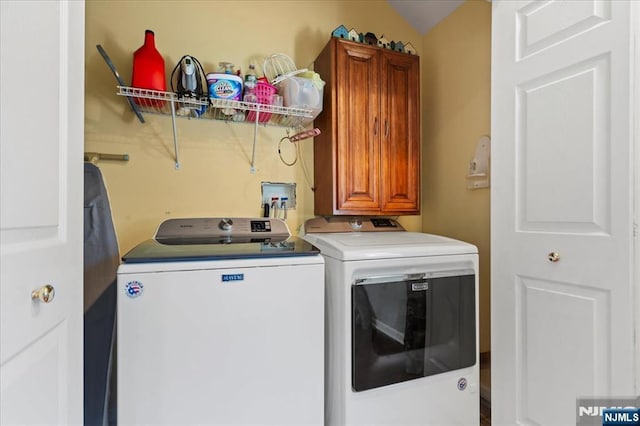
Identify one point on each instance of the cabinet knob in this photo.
(45, 294)
(553, 256)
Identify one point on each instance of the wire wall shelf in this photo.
(148, 101)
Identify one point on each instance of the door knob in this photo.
(45, 294)
(553, 256)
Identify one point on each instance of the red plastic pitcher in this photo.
(148, 69)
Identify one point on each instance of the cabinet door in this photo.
(357, 86)
(400, 129)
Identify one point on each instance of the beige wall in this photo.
(456, 99)
(215, 179)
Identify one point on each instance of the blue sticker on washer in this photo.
(462, 384)
(134, 288)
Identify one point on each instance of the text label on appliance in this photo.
(232, 277)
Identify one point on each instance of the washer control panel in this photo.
(216, 227)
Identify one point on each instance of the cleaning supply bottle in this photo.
(250, 82)
(226, 67)
(250, 79)
(148, 68)
(225, 84)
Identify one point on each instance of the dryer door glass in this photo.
(408, 327)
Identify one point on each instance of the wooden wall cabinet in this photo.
(367, 158)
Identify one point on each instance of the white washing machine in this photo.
(402, 324)
(221, 322)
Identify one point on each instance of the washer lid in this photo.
(386, 245)
(184, 239)
(157, 251)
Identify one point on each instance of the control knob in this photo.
(226, 224)
(356, 224)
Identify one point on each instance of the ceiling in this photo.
(424, 14)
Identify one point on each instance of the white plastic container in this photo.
(303, 93)
(224, 86)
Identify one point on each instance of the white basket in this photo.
(278, 67)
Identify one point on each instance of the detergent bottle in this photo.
(148, 68)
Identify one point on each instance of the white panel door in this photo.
(41, 141)
(562, 294)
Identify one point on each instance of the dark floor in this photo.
(485, 389)
(485, 412)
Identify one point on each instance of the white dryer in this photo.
(221, 322)
(402, 324)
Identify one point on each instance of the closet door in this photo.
(42, 86)
(562, 237)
